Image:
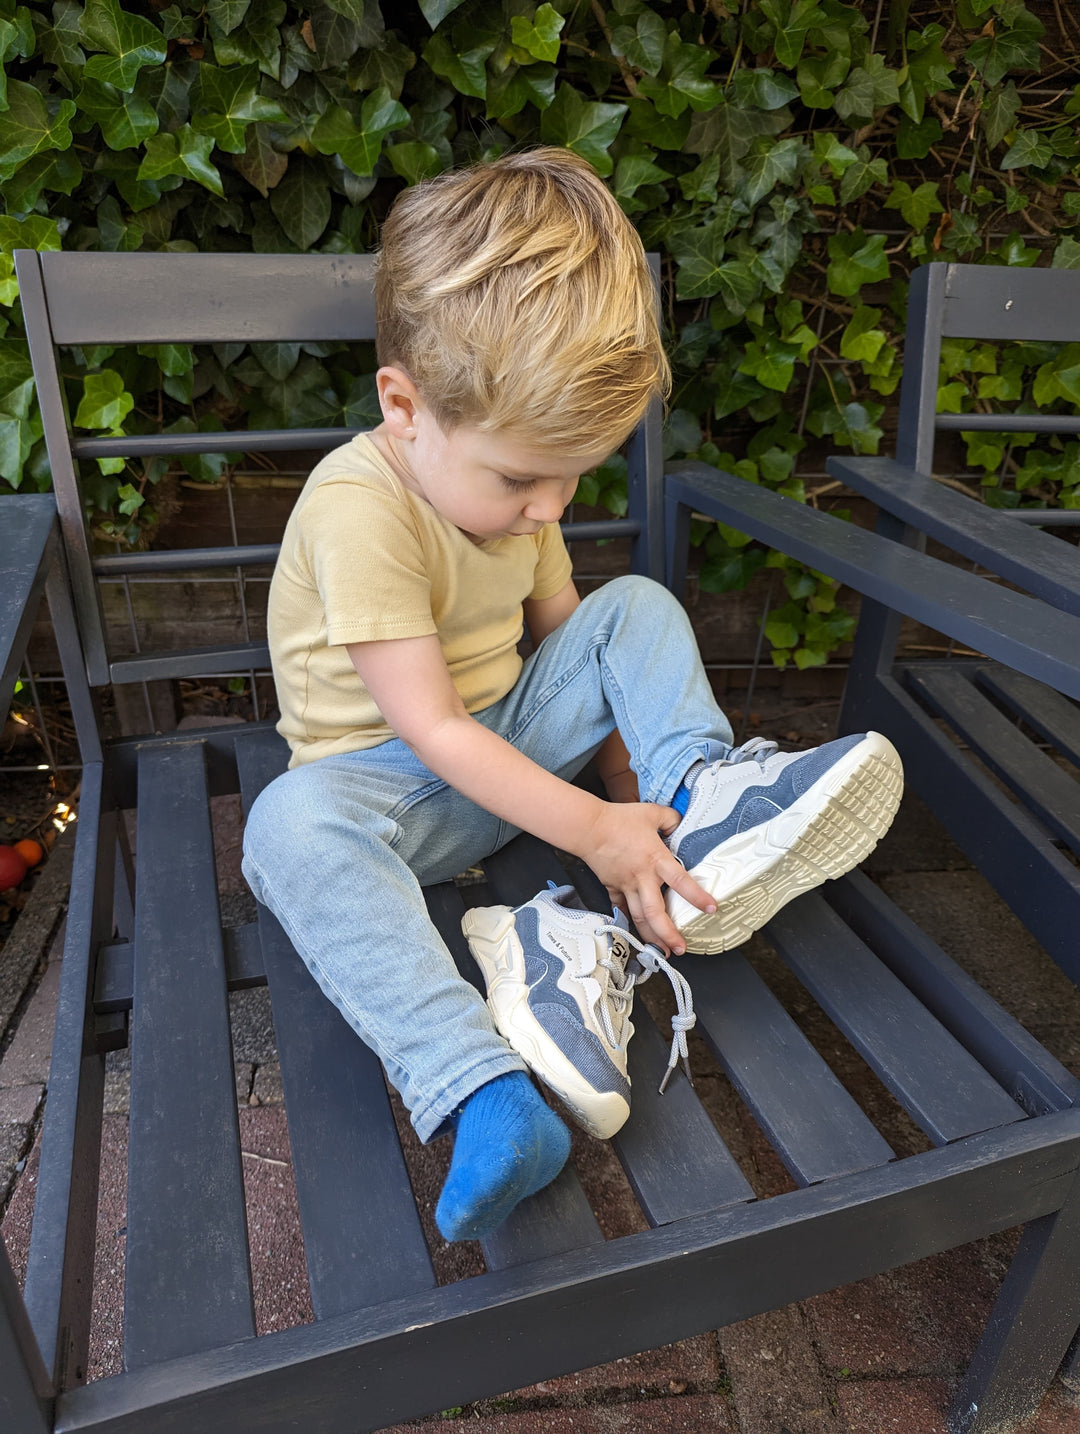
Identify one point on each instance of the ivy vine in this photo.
(792, 160)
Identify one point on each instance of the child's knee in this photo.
(642, 599)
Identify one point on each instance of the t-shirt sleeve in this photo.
(367, 562)
(553, 563)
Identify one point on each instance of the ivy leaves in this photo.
(587, 127)
(129, 42)
(27, 128)
(1008, 44)
(227, 101)
(760, 147)
(359, 140)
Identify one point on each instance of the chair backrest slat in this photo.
(978, 301)
(97, 298)
(998, 301)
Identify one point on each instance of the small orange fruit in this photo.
(12, 867)
(30, 850)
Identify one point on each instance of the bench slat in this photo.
(362, 1235)
(188, 1277)
(941, 1085)
(816, 1128)
(1035, 778)
(1054, 717)
(559, 1217)
(1032, 1076)
(1035, 561)
(674, 1158)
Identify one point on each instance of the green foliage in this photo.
(792, 160)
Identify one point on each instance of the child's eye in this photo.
(517, 485)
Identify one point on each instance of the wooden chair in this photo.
(1026, 837)
(146, 963)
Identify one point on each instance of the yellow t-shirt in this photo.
(363, 558)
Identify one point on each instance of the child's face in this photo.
(491, 485)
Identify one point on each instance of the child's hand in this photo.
(626, 852)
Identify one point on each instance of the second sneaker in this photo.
(762, 827)
(560, 994)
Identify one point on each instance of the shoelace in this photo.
(651, 959)
(755, 750)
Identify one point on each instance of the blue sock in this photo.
(508, 1144)
(681, 800)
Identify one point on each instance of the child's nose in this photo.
(545, 508)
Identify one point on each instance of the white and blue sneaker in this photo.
(560, 986)
(761, 827)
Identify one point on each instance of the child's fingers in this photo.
(682, 882)
(667, 820)
(618, 899)
(655, 925)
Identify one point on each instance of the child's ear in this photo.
(398, 400)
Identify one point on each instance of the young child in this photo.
(519, 346)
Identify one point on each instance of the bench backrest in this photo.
(978, 301)
(107, 298)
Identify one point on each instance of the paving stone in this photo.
(924, 1318)
(237, 907)
(690, 1361)
(776, 1378)
(117, 1092)
(1058, 1414)
(226, 814)
(687, 1414)
(19, 1213)
(893, 1406)
(252, 1025)
(18, 1104)
(26, 1060)
(107, 1317)
(278, 1269)
(267, 1088)
(12, 1143)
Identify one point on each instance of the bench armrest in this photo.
(1020, 631)
(1033, 560)
(28, 536)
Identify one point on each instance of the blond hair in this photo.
(517, 296)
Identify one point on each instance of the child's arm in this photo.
(544, 615)
(410, 682)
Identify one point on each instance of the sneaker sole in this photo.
(494, 943)
(832, 827)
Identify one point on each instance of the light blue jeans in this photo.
(339, 849)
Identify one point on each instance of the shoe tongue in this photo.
(567, 900)
(619, 920)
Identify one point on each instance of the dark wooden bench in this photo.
(146, 963)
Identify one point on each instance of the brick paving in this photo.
(879, 1357)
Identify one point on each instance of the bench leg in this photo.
(1035, 1318)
